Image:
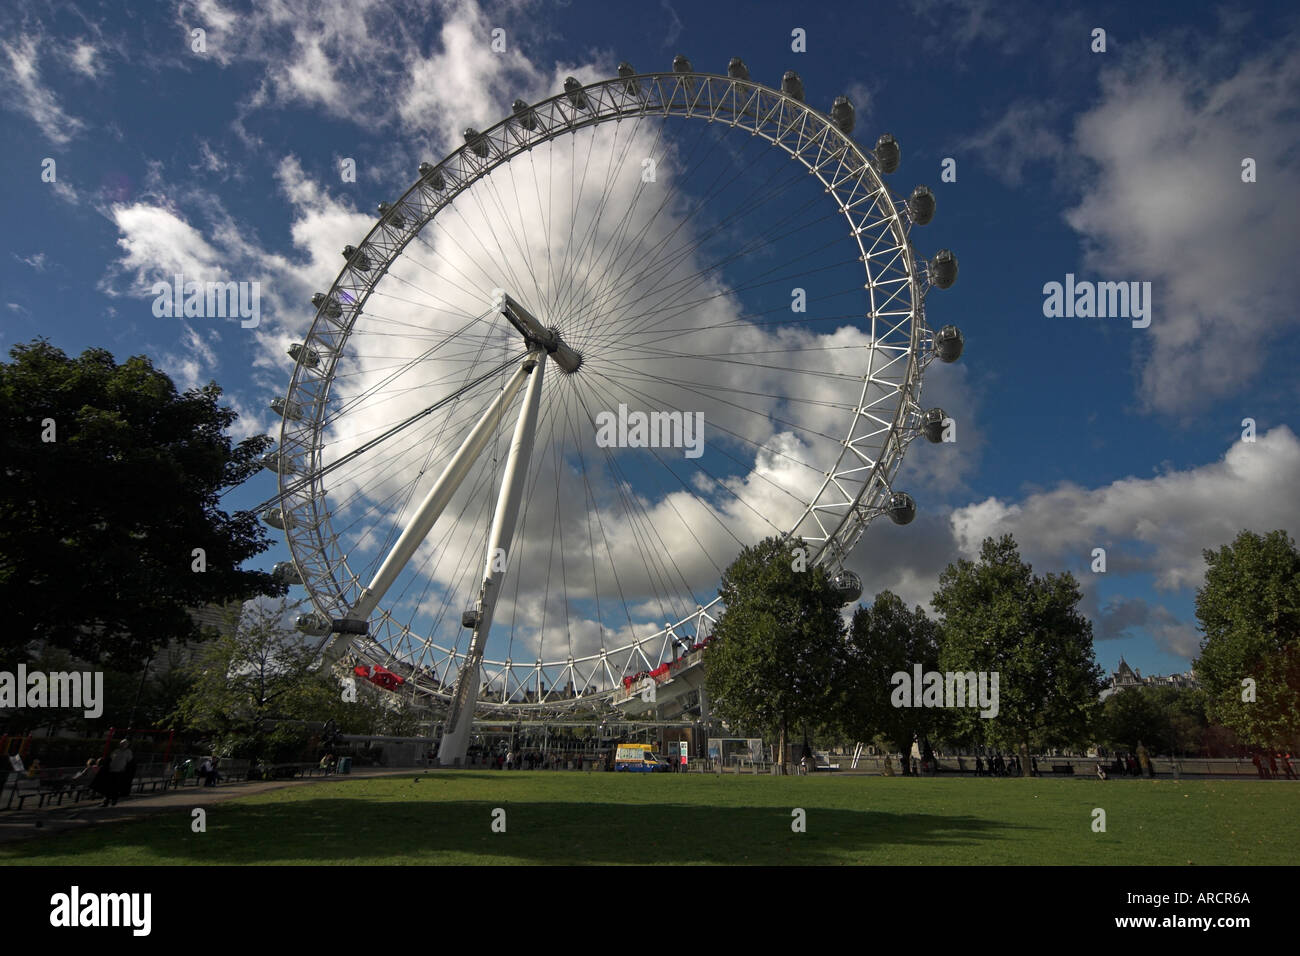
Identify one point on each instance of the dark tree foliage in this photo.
(779, 645)
(99, 526)
(1000, 617)
(884, 639)
(1249, 609)
(1167, 720)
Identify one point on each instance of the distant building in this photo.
(1125, 677)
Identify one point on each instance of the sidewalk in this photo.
(25, 824)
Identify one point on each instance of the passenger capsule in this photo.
(737, 70)
(305, 354)
(888, 153)
(920, 205)
(792, 86)
(312, 624)
(280, 464)
(525, 114)
(847, 585)
(932, 424)
(434, 175)
(901, 508)
(476, 141)
(842, 115)
(356, 258)
(573, 89)
(278, 519)
(333, 308)
(681, 64)
(948, 343)
(286, 572)
(389, 212)
(943, 269)
(286, 409)
(630, 86)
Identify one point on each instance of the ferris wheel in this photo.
(582, 362)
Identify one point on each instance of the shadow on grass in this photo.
(361, 831)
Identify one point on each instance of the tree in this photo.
(109, 506)
(779, 644)
(885, 639)
(1168, 720)
(256, 670)
(999, 617)
(1249, 665)
(254, 691)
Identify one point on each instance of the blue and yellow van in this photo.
(640, 758)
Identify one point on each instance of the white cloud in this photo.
(85, 58)
(1166, 203)
(1155, 527)
(1022, 135)
(36, 260)
(28, 93)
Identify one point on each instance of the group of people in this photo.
(1000, 766)
(110, 778)
(1269, 765)
(1127, 765)
(530, 760)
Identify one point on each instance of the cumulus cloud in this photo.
(1156, 525)
(1165, 202)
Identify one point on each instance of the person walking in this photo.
(118, 781)
(1144, 761)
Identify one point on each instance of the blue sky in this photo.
(1122, 165)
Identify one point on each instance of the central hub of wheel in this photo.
(535, 334)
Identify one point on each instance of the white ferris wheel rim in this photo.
(849, 174)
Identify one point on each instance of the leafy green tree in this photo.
(779, 645)
(254, 692)
(257, 670)
(999, 617)
(1168, 720)
(1249, 609)
(884, 639)
(111, 481)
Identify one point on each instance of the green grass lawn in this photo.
(446, 817)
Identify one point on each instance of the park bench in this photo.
(48, 786)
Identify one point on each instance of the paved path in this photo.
(28, 823)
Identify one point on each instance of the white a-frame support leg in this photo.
(431, 508)
(460, 718)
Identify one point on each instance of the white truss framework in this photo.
(855, 487)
